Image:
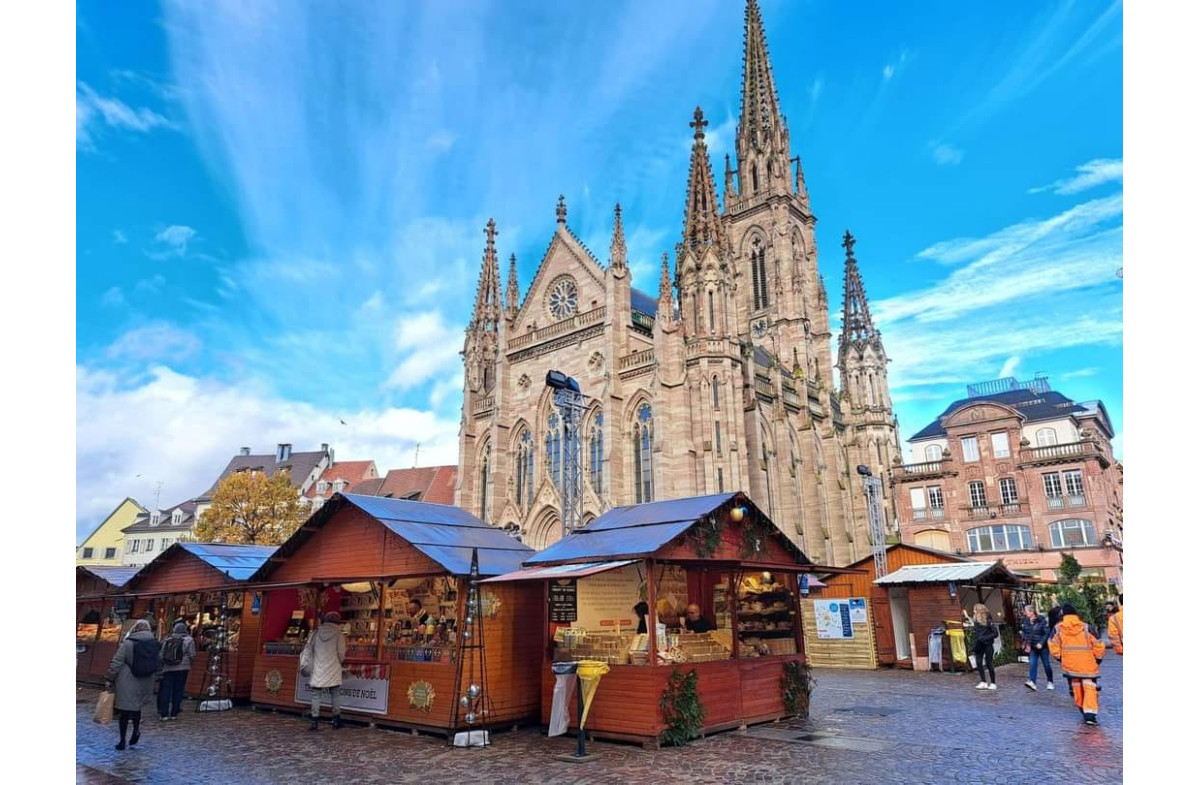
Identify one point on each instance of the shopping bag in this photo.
(971, 659)
(104, 708)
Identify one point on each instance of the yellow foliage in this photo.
(249, 507)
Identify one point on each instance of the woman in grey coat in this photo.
(132, 691)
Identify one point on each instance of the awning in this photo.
(561, 571)
(965, 572)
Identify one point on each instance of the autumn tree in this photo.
(251, 508)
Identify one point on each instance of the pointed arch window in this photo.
(643, 449)
(525, 470)
(758, 274)
(712, 320)
(554, 450)
(596, 453)
(484, 473)
(766, 467)
(716, 392)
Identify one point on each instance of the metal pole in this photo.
(873, 488)
(580, 752)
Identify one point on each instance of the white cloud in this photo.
(1010, 366)
(815, 89)
(1082, 372)
(172, 241)
(93, 109)
(427, 347)
(119, 237)
(442, 140)
(152, 285)
(888, 71)
(153, 341)
(183, 430)
(113, 298)
(891, 69)
(1089, 175)
(947, 155)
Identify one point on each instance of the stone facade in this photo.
(1042, 467)
(722, 381)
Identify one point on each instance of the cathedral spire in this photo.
(618, 257)
(857, 326)
(513, 295)
(665, 299)
(487, 296)
(701, 224)
(761, 123)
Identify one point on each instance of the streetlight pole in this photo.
(569, 401)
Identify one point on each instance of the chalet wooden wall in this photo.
(350, 544)
(858, 652)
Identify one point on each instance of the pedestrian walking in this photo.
(321, 662)
(1035, 632)
(986, 633)
(1080, 653)
(178, 652)
(131, 673)
(1116, 627)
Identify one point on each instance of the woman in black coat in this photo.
(986, 633)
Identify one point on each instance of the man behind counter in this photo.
(419, 617)
(695, 622)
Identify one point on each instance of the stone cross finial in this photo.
(848, 242)
(561, 210)
(698, 122)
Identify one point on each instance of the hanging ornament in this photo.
(464, 702)
(473, 691)
(466, 635)
(470, 718)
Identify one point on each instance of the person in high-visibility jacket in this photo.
(1116, 627)
(1080, 652)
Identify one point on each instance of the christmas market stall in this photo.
(99, 615)
(204, 584)
(653, 593)
(396, 572)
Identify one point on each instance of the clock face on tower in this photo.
(759, 328)
(563, 299)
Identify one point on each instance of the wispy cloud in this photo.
(895, 66)
(1089, 175)
(1082, 372)
(119, 237)
(171, 241)
(427, 347)
(93, 110)
(152, 285)
(113, 298)
(154, 341)
(947, 155)
(1010, 366)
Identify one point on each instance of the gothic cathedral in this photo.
(721, 382)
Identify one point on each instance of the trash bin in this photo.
(958, 645)
(935, 647)
(564, 688)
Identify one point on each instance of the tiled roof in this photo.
(368, 487)
(424, 483)
(352, 472)
(1035, 407)
(642, 302)
(142, 523)
(301, 465)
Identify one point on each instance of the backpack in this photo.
(172, 652)
(145, 658)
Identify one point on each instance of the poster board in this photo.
(857, 652)
(858, 610)
(833, 619)
(606, 600)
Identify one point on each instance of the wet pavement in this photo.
(866, 727)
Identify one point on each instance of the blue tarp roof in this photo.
(117, 576)
(444, 533)
(237, 561)
(628, 532)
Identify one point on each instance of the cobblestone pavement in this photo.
(866, 727)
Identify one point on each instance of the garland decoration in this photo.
(798, 684)
(681, 708)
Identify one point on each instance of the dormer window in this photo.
(155, 518)
(283, 452)
(322, 486)
(338, 485)
(176, 517)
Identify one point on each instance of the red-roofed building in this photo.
(425, 483)
(340, 477)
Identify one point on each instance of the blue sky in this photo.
(280, 205)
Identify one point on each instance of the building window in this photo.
(978, 494)
(338, 486)
(554, 463)
(933, 452)
(596, 453)
(176, 517)
(717, 436)
(1072, 534)
(149, 544)
(937, 503)
(163, 543)
(1053, 486)
(525, 469)
(1053, 483)
(322, 486)
(712, 320)
(136, 547)
(1008, 537)
(917, 497)
(110, 553)
(720, 480)
(1046, 437)
(970, 448)
(155, 518)
(716, 391)
(1008, 492)
(317, 503)
(1074, 481)
(758, 265)
(1000, 445)
(643, 448)
(87, 553)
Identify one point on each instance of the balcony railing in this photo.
(1071, 500)
(985, 511)
(932, 513)
(1055, 453)
(926, 467)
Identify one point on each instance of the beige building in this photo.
(106, 544)
(722, 380)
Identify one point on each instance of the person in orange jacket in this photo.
(1116, 626)
(1080, 652)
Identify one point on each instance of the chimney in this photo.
(283, 452)
(244, 451)
(328, 452)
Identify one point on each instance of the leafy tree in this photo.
(1069, 569)
(249, 507)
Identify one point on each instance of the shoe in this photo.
(1031, 686)
(120, 745)
(164, 718)
(981, 685)
(337, 721)
(133, 740)
(992, 686)
(1050, 686)
(314, 723)
(1090, 719)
